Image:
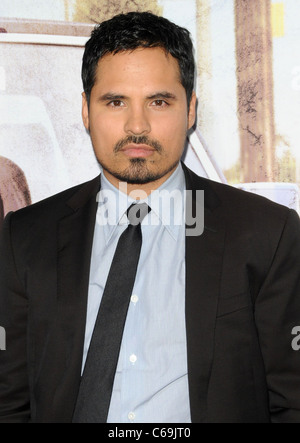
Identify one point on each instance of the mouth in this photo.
(138, 151)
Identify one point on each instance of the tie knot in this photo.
(137, 212)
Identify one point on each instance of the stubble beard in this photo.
(138, 172)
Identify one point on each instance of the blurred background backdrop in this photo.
(248, 87)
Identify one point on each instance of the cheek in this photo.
(105, 131)
(173, 134)
(101, 124)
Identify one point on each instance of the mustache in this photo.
(139, 140)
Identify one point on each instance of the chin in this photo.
(138, 173)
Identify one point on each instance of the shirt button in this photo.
(134, 299)
(133, 358)
(131, 416)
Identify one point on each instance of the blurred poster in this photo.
(14, 190)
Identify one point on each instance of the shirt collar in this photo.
(166, 202)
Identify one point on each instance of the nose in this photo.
(137, 122)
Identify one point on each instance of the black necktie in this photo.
(98, 376)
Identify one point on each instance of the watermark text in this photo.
(173, 208)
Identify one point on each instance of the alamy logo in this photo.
(2, 339)
(168, 204)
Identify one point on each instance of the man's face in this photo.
(138, 117)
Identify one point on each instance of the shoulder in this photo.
(57, 206)
(238, 200)
(254, 226)
(245, 213)
(225, 198)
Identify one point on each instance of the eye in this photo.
(159, 103)
(116, 103)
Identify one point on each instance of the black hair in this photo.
(125, 32)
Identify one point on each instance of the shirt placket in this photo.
(130, 360)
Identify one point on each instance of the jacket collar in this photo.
(84, 193)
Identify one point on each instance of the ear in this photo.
(192, 111)
(85, 112)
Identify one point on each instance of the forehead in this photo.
(140, 66)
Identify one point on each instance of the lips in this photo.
(137, 151)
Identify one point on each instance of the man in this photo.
(14, 191)
(208, 330)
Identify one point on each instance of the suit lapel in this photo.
(204, 256)
(75, 239)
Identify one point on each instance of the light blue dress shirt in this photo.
(151, 382)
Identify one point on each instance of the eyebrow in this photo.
(109, 96)
(162, 95)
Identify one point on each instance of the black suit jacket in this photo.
(242, 302)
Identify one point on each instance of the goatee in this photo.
(138, 173)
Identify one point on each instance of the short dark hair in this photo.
(125, 32)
